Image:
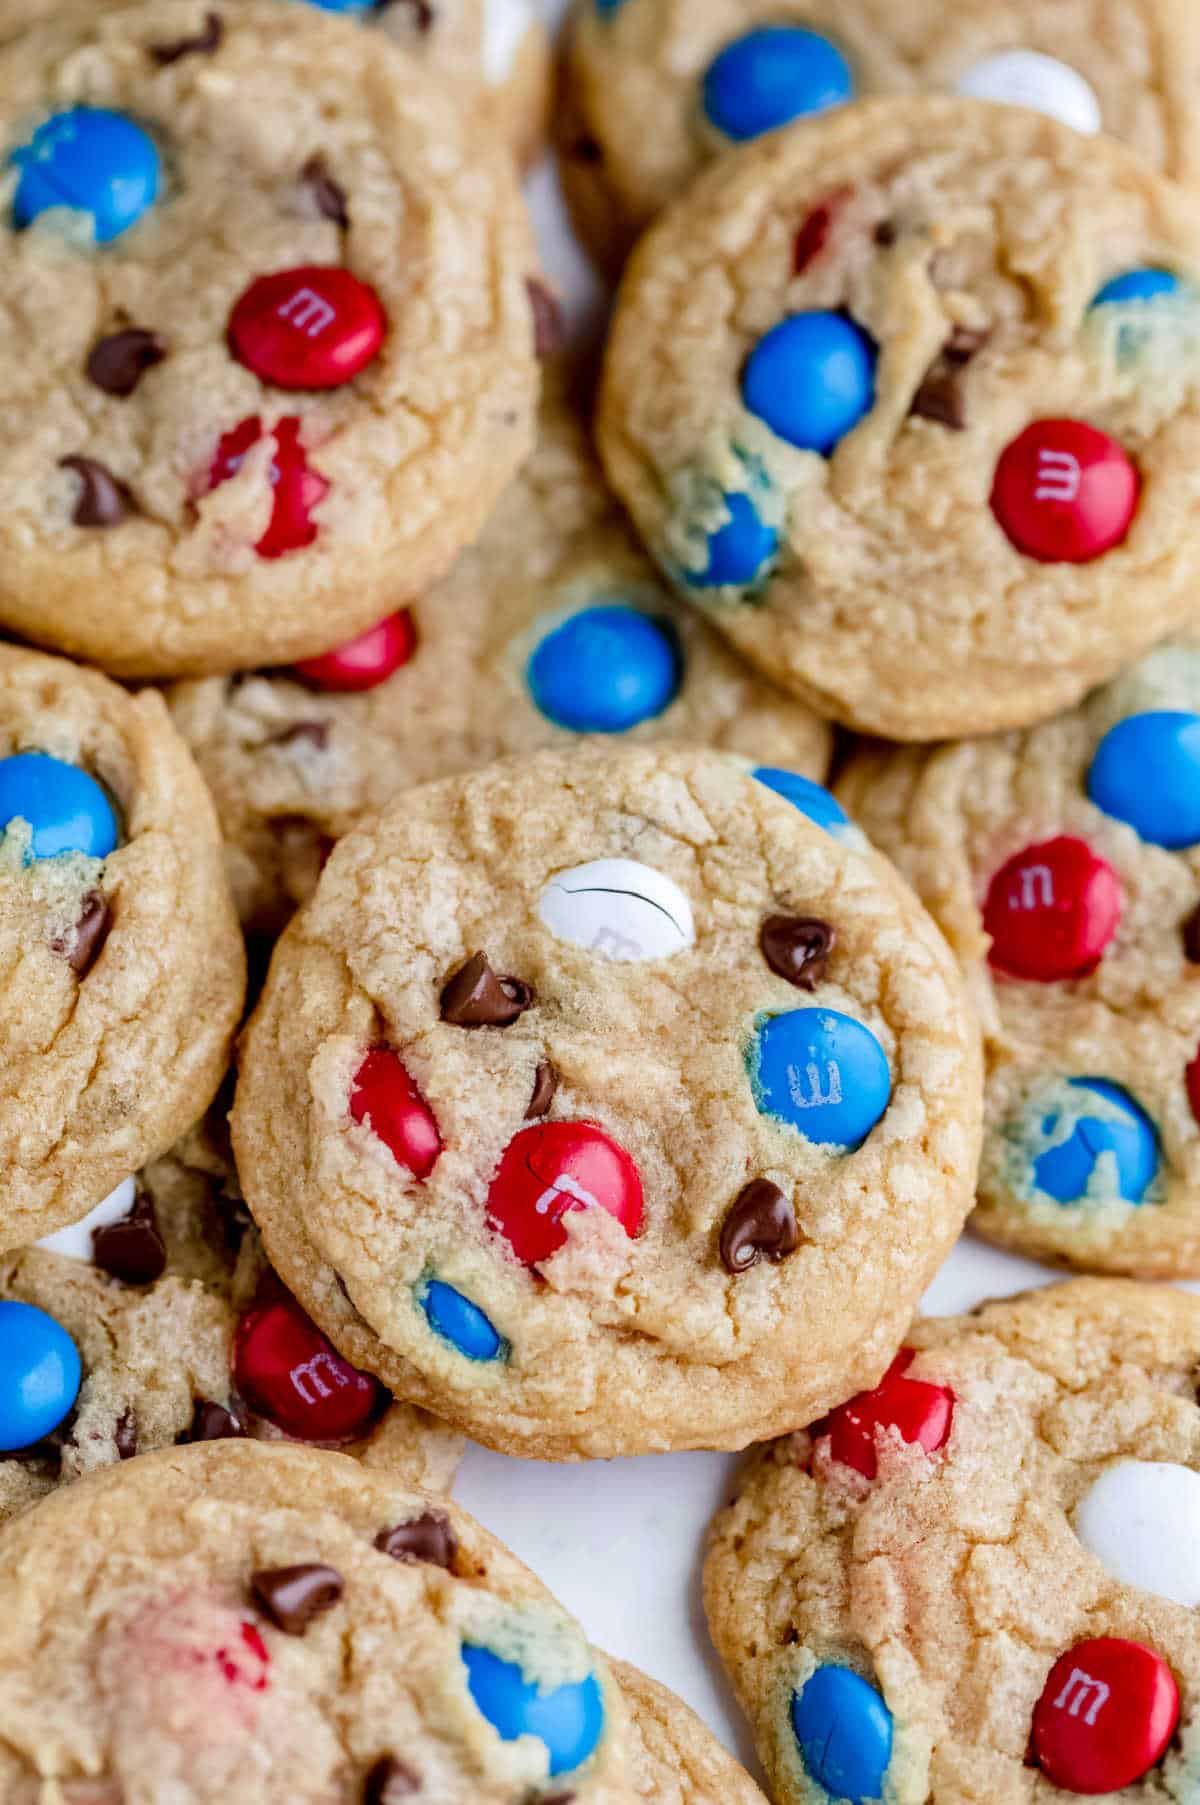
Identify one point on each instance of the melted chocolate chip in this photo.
(549, 331)
(131, 1250)
(941, 396)
(429, 1538)
(103, 500)
(293, 1596)
(118, 362)
(1191, 936)
(474, 997)
(91, 931)
(545, 1083)
(126, 1436)
(202, 43)
(886, 233)
(760, 1226)
(797, 947)
(330, 196)
(212, 1422)
(389, 1780)
(314, 733)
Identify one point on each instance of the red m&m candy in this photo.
(1192, 1079)
(309, 328)
(920, 1412)
(365, 662)
(298, 489)
(1105, 1717)
(1052, 910)
(384, 1096)
(553, 1167)
(1064, 492)
(288, 1372)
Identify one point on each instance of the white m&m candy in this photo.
(1026, 78)
(619, 908)
(1141, 1519)
(75, 1241)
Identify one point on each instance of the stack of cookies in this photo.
(539, 891)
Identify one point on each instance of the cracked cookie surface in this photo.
(676, 1759)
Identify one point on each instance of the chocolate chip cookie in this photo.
(979, 1580)
(906, 398)
(273, 354)
(611, 1101)
(554, 625)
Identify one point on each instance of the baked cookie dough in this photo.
(554, 624)
(606, 1101)
(495, 50)
(1063, 865)
(978, 1582)
(656, 88)
(156, 1320)
(232, 1624)
(676, 1759)
(905, 398)
(122, 971)
(273, 340)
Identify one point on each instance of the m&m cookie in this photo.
(273, 334)
(674, 1758)
(609, 1101)
(907, 399)
(1063, 864)
(979, 1580)
(554, 626)
(657, 88)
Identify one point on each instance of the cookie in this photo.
(123, 966)
(236, 1624)
(657, 88)
(276, 353)
(555, 624)
(675, 1759)
(586, 1100)
(156, 1320)
(905, 399)
(978, 1581)
(1063, 865)
(494, 50)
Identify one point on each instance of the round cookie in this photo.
(276, 335)
(656, 88)
(586, 1098)
(496, 50)
(905, 399)
(124, 970)
(967, 1584)
(235, 1624)
(676, 1759)
(553, 624)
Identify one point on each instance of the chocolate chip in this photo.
(1191, 936)
(797, 947)
(132, 1249)
(760, 1226)
(293, 1596)
(203, 43)
(314, 733)
(330, 196)
(474, 997)
(118, 362)
(103, 500)
(429, 1538)
(549, 331)
(389, 1780)
(212, 1422)
(126, 1436)
(91, 931)
(941, 396)
(586, 150)
(886, 233)
(545, 1083)
(422, 12)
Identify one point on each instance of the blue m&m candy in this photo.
(739, 550)
(1123, 1130)
(460, 1322)
(39, 1375)
(821, 1072)
(812, 799)
(345, 6)
(1137, 285)
(843, 1730)
(811, 378)
(92, 160)
(606, 8)
(569, 1720)
(66, 809)
(606, 669)
(1147, 772)
(772, 75)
